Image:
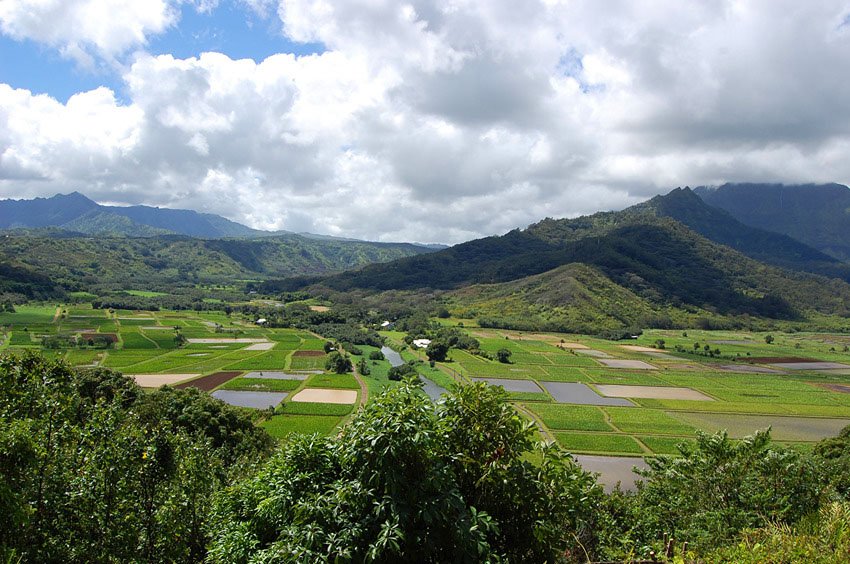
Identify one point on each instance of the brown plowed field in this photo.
(841, 388)
(777, 359)
(209, 382)
(111, 337)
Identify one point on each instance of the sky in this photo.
(428, 121)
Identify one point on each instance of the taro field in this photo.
(647, 395)
(603, 400)
(278, 371)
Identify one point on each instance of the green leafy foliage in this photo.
(717, 488)
(338, 362)
(94, 470)
(835, 455)
(437, 350)
(404, 482)
(823, 538)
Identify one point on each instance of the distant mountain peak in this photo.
(75, 212)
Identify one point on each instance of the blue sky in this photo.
(231, 28)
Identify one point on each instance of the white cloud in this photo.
(442, 121)
(86, 30)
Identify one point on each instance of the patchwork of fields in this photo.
(635, 398)
(279, 370)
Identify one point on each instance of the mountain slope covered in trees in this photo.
(718, 225)
(657, 266)
(124, 263)
(816, 214)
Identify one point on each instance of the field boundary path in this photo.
(364, 391)
(544, 430)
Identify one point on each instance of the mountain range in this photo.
(815, 214)
(710, 256)
(669, 260)
(78, 214)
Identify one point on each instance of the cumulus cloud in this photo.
(88, 30)
(443, 121)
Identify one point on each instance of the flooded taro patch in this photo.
(255, 400)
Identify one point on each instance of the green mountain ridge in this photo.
(718, 225)
(75, 212)
(660, 270)
(122, 262)
(815, 214)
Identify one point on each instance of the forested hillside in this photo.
(119, 262)
(718, 225)
(17, 284)
(816, 214)
(655, 259)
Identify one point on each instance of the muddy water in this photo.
(613, 469)
(431, 389)
(256, 400)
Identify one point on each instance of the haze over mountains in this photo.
(77, 213)
(815, 214)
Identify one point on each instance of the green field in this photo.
(799, 405)
(261, 385)
(281, 426)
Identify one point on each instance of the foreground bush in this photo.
(405, 482)
(823, 538)
(94, 470)
(713, 491)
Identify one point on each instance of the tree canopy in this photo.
(406, 481)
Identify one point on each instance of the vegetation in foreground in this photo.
(95, 470)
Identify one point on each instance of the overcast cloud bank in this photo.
(435, 121)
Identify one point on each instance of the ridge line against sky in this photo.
(426, 121)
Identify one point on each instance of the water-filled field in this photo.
(647, 395)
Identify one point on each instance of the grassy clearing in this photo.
(78, 357)
(281, 426)
(28, 315)
(630, 420)
(120, 358)
(529, 396)
(598, 443)
(163, 339)
(144, 293)
(261, 385)
(664, 445)
(20, 338)
(271, 360)
(311, 408)
(336, 381)
(133, 340)
(307, 362)
(571, 417)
